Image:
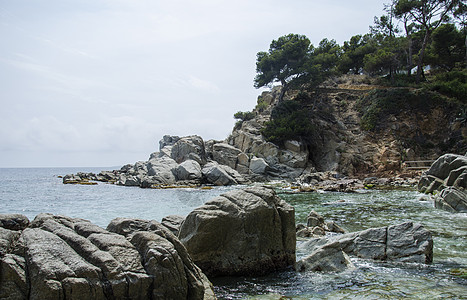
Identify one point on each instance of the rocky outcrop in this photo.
(58, 257)
(406, 242)
(447, 179)
(242, 232)
(316, 226)
(180, 161)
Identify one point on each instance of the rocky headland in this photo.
(343, 153)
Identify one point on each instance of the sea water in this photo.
(34, 191)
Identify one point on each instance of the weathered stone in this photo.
(294, 146)
(173, 223)
(58, 257)
(226, 154)
(163, 168)
(13, 281)
(406, 242)
(13, 221)
(190, 147)
(7, 240)
(242, 232)
(221, 175)
(315, 219)
(452, 199)
(329, 258)
(166, 259)
(168, 140)
(448, 176)
(258, 165)
(188, 170)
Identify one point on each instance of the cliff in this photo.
(356, 129)
(347, 127)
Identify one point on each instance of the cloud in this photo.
(203, 85)
(114, 76)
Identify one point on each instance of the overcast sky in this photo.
(99, 82)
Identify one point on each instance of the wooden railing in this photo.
(418, 164)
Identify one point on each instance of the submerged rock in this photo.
(242, 232)
(58, 257)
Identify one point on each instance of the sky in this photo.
(99, 82)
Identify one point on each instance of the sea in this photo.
(31, 191)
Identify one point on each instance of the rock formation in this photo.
(57, 257)
(447, 179)
(337, 144)
(242, 232)
(406, 242)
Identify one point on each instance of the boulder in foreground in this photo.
(243, 232)
(58, 257)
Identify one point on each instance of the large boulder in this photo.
(58, 257)
(258, 165)
(225, 154)
(406, 242)
(243, 232)
(447, 178)
(188, 170)
(217, 174)
(163, 169)
(190, 147)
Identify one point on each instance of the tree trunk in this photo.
(466, 51)
(420, 59)
(410, 58)
(283, 90)
(410, 50)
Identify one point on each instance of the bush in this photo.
(261, 105)
(452, 84)
(289, 121)
(379, 104)
(244, 115)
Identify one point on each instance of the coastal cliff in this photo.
(347, 127)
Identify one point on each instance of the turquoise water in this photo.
(32, 191)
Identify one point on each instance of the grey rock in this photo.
(168, 140)
(58, 257)
(225, 154)
(294, 146)
(173, 223)
(315, 219)
(14, 221)
(258, 165)
(329, 258)
(13, 283)
(190, 147)
(406, 242)
(188, 170)
(221, 175)
(163, 168)
(242, 232)
(448, 176)
(451, 199)
(166, 259)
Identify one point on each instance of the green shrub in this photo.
(289, 121)
(261, 105)
(244, 115)
(379, 104)
(452, 84)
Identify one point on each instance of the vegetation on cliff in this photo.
(431, 33)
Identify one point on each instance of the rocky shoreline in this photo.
(244, 232)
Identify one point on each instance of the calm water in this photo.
(32, 191)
